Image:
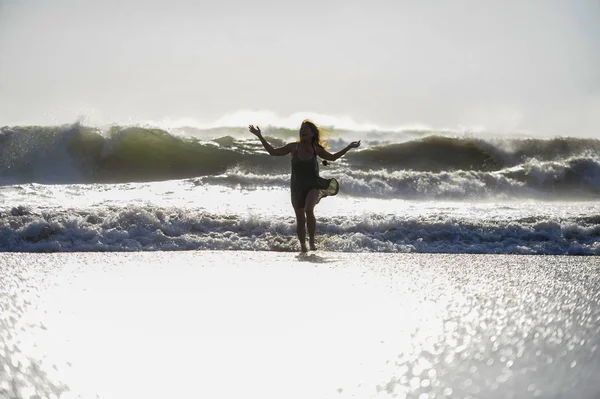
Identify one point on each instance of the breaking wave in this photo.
(135, 228)
(434, 166)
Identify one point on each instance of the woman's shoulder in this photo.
(292, 147)
(319, 147)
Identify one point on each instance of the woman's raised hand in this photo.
(355, 144)
(254, 130)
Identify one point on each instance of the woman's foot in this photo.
(303, 248)
(313, 247)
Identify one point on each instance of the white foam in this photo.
(394, 227)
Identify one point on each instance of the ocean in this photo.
(78, 188)
(138, 262)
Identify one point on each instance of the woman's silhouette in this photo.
(307, 187)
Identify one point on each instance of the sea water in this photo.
(418, 289)
(184, 215)
(77, 188)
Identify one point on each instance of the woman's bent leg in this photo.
(301, 228)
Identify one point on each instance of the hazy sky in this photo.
(504, 65)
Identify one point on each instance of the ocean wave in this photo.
(150, 228)
(434, 166)
(576, 178)
(437, 153)
(79, 154)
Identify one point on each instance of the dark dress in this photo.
(305, 177)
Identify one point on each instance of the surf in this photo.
(408, 164)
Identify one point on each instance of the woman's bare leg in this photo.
(301, 228)
(311, 200)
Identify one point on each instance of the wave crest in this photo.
(434, 166)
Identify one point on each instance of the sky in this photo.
(500, 66)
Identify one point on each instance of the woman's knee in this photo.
(312, 199)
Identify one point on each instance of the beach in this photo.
(235, 324)
(158, 162)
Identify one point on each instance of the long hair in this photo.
(318, 133)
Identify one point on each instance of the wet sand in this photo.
(224, 324)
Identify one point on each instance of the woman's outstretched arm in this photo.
(286, 149)
(323, 153)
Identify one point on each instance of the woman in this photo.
(307, 186)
